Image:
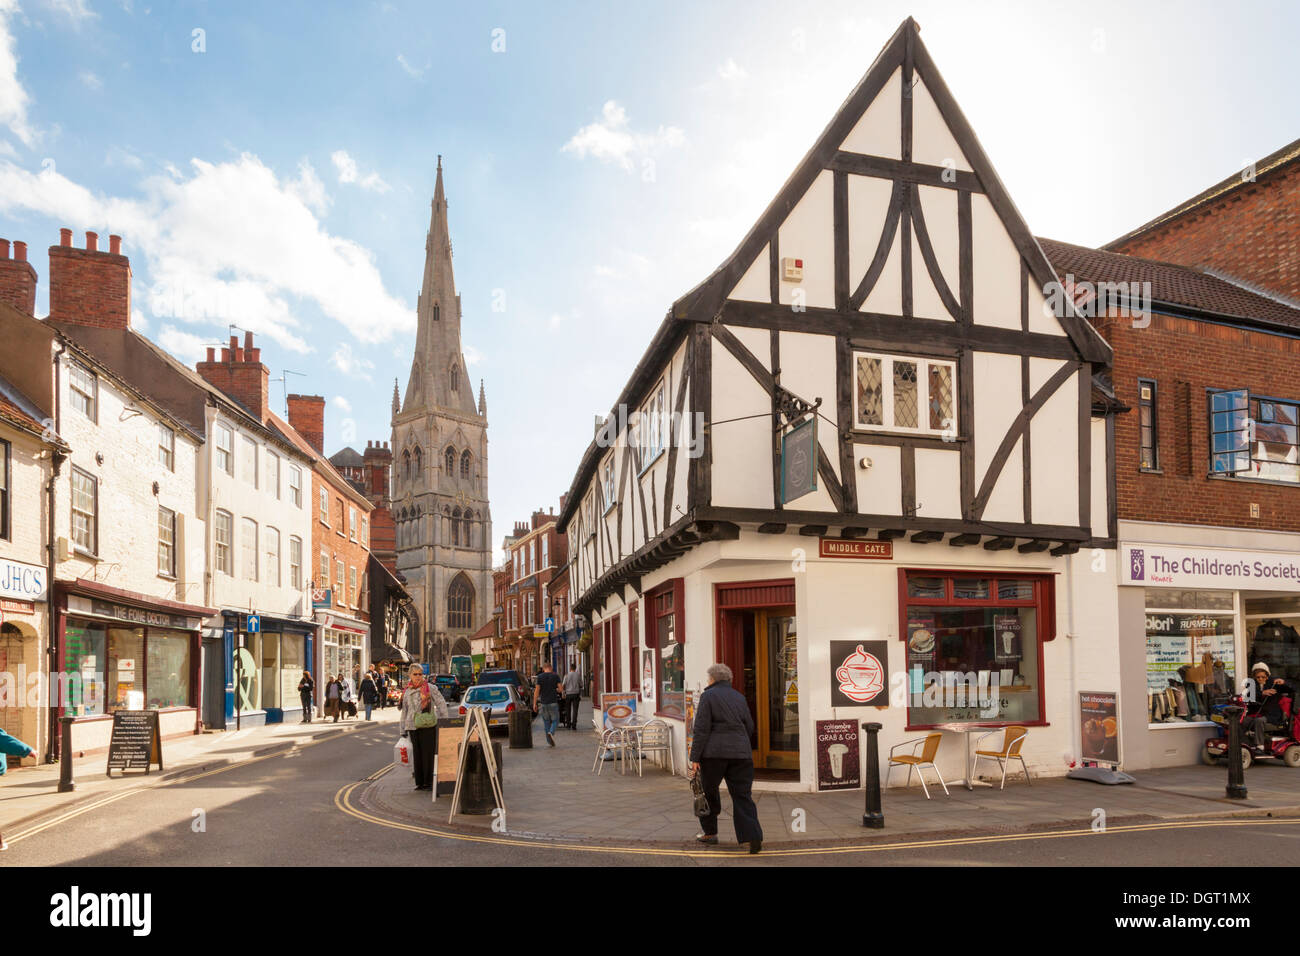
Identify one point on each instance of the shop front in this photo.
(123, 651)
(344, 650)
(1198, 609)
(265, 661)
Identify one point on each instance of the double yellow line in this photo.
(343, 800)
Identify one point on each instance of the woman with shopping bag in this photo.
(422, 705)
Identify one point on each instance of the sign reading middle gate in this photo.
(849, 548)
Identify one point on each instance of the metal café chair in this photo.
(929, 746)
(653, 737)
(1013, 738)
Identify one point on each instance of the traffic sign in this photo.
(254, 624)
(550, 625)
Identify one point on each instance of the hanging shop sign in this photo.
(321, 599)
(859, 673)
(846, 548)
(1099, 723)
(799, 461)
(837, 755)
(1210, 568)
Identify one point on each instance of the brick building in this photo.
(1206, 514)
(535, 551)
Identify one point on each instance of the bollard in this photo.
(66, 783)
(1236, 775)
(873, 816)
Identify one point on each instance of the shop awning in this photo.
(389, 652)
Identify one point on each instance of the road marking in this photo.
(343, 801)
(123, 794)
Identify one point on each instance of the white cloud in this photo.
(309, 188)
(342, 404)
(350, 364)
(13, 98)
(732, 73)
(229, 243)
(75, 10)
(349, 173)
(472, 355)
(413, 71)
(611, 140)
(138, 321)
(117, 155)
(91, 81)
(186, 346)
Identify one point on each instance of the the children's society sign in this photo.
(1161, 565)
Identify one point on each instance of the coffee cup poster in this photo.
(859, 673)
(1099, 721)
(837, 755)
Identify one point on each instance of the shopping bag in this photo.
(402, 753)
(697, 791)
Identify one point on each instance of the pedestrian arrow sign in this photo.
(550, 625)
(254, 624)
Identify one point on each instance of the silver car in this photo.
(499, 700)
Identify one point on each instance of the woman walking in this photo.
(349, 708)
(720, 750)
(306, 693)
(334, 697)
(420, 703)
(16, 748)
(369, 692)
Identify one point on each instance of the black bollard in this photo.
(66, 783)
(873, 816)
(1236, 775)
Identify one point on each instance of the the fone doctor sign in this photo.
(1161, 565)
(859, 673)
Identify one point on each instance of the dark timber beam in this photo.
(963, 540)
(771, 527)
(889, 534)
(921, 173)
(852, 532)
(1030, 547)
(1066, 547)
(925, 537)
(1000, 544)
(813, 530)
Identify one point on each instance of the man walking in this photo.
(369, 692)
(572, 695)
(546, 692)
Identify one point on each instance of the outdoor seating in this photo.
(1013, 738)
(928, 747)
(652, 737)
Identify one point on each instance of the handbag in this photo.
(424, 720)
(701, 801)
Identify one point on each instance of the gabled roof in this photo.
(347, 458)
(1283, 157)
(1174, 285)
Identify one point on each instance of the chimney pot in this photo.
(254, 355)
(248, 341)
(92, 242)
(65, 237)
(239, 355)
(212, 352)
(225, 355)
(115, 245)
(20, 251)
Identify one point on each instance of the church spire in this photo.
(482, 400)
(438, 379)
(397, 402)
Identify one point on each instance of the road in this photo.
(304, 808)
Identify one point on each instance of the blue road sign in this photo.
(254, 624)
(550, 625)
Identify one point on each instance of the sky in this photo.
(270, 165)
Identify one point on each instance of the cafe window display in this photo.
(1191, 657)
(973, 647)
(666, 633)
(125, 668)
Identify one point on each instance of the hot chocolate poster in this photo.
(1099, 722)
(859, 673)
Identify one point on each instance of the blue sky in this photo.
(600, 159)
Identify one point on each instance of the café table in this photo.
(970, 783)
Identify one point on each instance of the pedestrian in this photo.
(421, 697)
(306, 693)
(369, 692)
(546, 692)
(14, 747)
(349, 696)
(720, 750)
(334, 698)
(572, 696)
(1268, 718)
(382, 684)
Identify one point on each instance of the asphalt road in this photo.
(301, 808)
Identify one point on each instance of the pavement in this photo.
(553, 794)
(28, 794)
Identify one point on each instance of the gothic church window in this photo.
(455, 378)
(419, 464)
(451, 462)
(435, 312)
(406, 464)
(455, 528)
(464, 464)
(460, 603)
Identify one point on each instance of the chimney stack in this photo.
(89, 287)
(247, 382)
(307, 416)
(17, 278)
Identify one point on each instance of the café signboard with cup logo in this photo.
(859, 673)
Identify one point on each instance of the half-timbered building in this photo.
(859, 461)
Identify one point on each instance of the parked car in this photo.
(448, 686)
(499, 700)
(500, 676)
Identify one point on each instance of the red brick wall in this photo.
(241, 375)
(89, 287)
(335, 540)
(17, 278)
(307, 416)
(1184, 358)
(1253, 233)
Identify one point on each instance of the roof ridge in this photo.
(1259, 290)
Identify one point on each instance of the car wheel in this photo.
(1209, 757)
(1291, 756)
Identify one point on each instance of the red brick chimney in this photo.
(307, 416)
(17, 278)
(240, 374)
(378, 458)
(89, 287)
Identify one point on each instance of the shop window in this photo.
(666, 635)
(1276, 642)
(167, 668)
(1148, 426)
(82, 693)
(1191, 659)
(893, 393)
(292, 664)
(973, 647)
(1254, 437)
(126, 665)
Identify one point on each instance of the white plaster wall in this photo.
(939, 208)
(932, 141)
(996, 265)
(868, 208)
(1007, 502)
(877, 131)
(1099, 496)
(742, 450)
(808, 370)
(1054, 443)
(755, 285)
(880, 487)
(938, 483)
(807, 234)
(758, 341)
(996, 405)
(1041, 318)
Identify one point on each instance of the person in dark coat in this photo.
(369, 692)
(1269, 717)
(306, 692)
(720, 750)
(334, 698)
(14, 748)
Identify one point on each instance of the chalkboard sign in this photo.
(136, 741)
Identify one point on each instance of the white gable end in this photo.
(878, 131)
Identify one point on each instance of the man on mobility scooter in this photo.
(1269, 727)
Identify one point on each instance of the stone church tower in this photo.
(440, 467)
